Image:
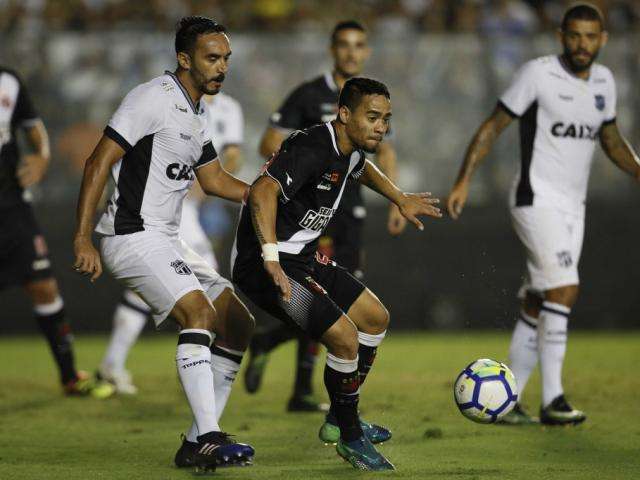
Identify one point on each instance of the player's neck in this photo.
(345, 146)
(339, 78)
(187, 83)
(581, 74)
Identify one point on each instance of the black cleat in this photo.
(559, 412)
(186, 453)
(219, 448)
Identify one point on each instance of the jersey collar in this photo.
(568, 70)
(331, 83)
(194, 107)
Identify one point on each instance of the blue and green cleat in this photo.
(330, 432)
(361, 454)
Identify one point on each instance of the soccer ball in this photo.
(485, 391)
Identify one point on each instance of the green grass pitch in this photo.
(44, 435)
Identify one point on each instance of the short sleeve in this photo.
(610, 105)
(25, 113)
(358, 170)
(522, 92)
(208, 155)
(235, 128)
(138, 115)
(291, 114)
(293, 166)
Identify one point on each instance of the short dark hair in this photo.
(189, 28)
(357, 87)
(346, 25)
(582, 11)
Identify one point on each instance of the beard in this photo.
(203, 82)
(579, 67)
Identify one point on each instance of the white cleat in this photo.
(120, 379)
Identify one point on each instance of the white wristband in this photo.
(270, 252)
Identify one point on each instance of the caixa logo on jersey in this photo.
(179, 171)
(571, 130)
(316, 221)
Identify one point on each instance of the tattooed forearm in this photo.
(255, 213)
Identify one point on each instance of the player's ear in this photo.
(343, 114)
(604, 38)
(560, 35)
(184, 60)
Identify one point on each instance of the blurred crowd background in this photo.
(285, 16)
(445, 62)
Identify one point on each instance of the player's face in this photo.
(210, 62)
(350, 51)
(582, 40)
(368, 124)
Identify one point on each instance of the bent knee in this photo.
(342, 339)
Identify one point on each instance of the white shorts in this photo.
(553, 243)
(159, 268)
(192, 233)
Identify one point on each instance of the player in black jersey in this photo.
(309, 104)
(276, 263)
(24, 259)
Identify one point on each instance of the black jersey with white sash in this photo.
(312, 174)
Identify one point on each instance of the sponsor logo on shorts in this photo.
(181, 268)
(41, 264)
(315, 286)
(564, 259)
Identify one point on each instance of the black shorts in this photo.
(24, 256)
(321, 292)
(342, 242)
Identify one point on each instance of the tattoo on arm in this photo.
(255, 212)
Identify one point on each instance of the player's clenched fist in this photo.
(414, 204)
(87, 258)
(457, 199)
(279, 278)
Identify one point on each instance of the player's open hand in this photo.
(396, 222)
(415, 204)
(87, 258)
(31, 170)
(457, 199)
(279, 278)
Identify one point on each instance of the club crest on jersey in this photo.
(181, 268)
(177, 171)
(316, 221)
(600, 102)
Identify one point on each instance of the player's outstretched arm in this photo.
(215, 180)
(619, 151)
(479, 147)
(34, 166)
(386, 159)
(411, 205)
(96, 172)
(263, 199)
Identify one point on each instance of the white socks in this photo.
(193, 360)
(128, 321)
(552, 344)
(523, 352)
(225, 365)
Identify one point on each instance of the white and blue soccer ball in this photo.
(485, 391)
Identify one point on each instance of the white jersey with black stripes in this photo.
(560, 118)
(165, 139)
